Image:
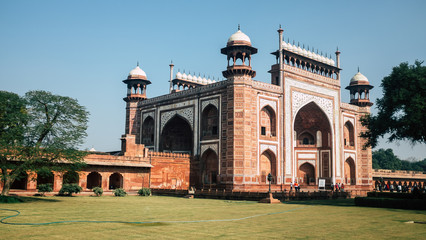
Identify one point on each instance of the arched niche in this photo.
(267, 165)
(306, 174)
(210, 122)
(350, 177)
(115, 181)
(70, 177)
(176, 136)
(148, 131)
(45, 177)
(210, 167)
(268, 122)
(20, 181)
(94, 179)
(348, 135)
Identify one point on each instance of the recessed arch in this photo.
(267, 165)
(350, 177)
(348, 134)
(94, 179)
(148, 131)
(176, 136)
(45, 177)
(268, 121)
(210, 122)
(306, 174)
(70, 177)
(115, 181)
(20, 181)
(210, 167)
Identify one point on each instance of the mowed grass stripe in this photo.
(321, 220)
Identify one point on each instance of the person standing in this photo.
(291, 186)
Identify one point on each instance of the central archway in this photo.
(176, 136)
(313, 137)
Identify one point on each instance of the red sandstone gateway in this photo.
(229, 134)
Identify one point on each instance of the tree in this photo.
(39, 131)
(386, 159)
(402, 109)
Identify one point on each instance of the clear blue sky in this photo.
(84, 49)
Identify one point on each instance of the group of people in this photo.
(296, 187)
(338, 187)
(400, 188)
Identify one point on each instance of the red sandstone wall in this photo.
(170, 170)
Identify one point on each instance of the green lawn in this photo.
(334, 219)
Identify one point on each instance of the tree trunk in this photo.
(6, 185)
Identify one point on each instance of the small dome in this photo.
(137, 72)
(184, 76)
(199, 79)
(239, 38)
(359, 78)
(205, 81)
(189, 77)
(179, 75)
(304, 52)
(332, 62)
(310, 54)
(299, 50)
(285, 45)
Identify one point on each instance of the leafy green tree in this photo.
(41, 130)
(386, 159)
(402, 109)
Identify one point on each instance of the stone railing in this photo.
(185, 93)
(168, 155)
(349, 107)
(266, 86)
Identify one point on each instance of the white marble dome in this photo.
(184, 76)
(239, 36)
(359, 77)
(179, 75)
(137, 71)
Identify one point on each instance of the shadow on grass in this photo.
(332, 202)
(37, 199)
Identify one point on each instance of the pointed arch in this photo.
(268, 164)
(176, 136)
(306, 174)
(115, 181)
(350, 177)
(148, 130)
(210, 122)
(94, 179)
(348, 135)
(210, 167)
(268, 121)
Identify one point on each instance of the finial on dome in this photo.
(358, 68)
(137, 63)
(238, 26)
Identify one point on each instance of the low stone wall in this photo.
(255, 196)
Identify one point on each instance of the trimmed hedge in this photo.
(396, 195)
(415, 204)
